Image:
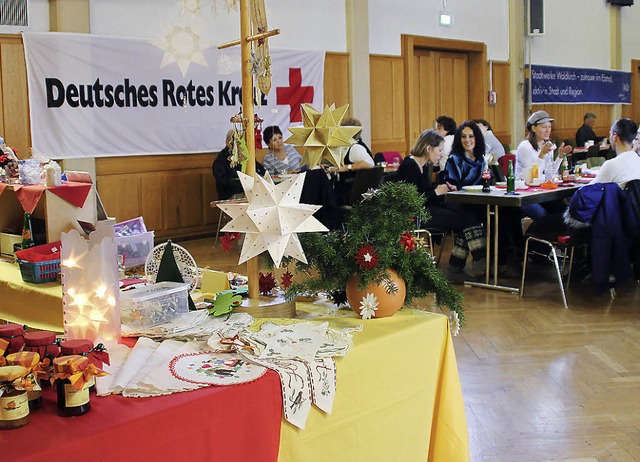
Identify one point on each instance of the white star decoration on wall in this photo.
(272, 217)
(184, 45)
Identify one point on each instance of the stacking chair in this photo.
(593, 151)
(235, 198)
(595, 161)
(563, 244)
(366, 178)
(429, 234)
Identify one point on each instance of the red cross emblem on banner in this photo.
(294, 95)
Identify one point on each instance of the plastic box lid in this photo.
(156, 290)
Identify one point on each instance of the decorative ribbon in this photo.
(26, 383)
(78, 376)
(98, 355)
(32, 363)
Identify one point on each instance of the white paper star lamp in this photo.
(322, 136)
(272, 218)
(90, 289)
(184, 45)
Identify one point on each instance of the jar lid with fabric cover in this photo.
(26, 359)
(14, 334)
(75, 347)
(31, 362)
(42, 342)
(11, 373)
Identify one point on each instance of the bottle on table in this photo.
(486, 179)
(27, 232)
(511, 179)
(565, 169)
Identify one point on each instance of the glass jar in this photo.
(14, 403)
(42, 342)
(14, 334)
(80, 347)
(72, 402)
(28, 360)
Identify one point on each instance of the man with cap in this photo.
(538, 149)
(586, 133)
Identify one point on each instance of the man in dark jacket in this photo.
(586, 133)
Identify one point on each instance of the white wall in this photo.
(474, 20)
(630, 35)
(576, 35)
(304, 24)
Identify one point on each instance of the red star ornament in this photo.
(266, 283)
(366, 257)
(226, 241)
(287, 279)
(408, 242)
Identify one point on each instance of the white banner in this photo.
(96, 96)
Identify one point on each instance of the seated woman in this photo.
(281, 158)
(226, 176)
(538, 149)
(466, 161)
(470, 234)
(358, 155)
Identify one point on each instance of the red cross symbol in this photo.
(295, 94)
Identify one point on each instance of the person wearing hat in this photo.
(586, 133)
(538, 149)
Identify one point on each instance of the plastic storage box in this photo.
(154, 304)
(135, 248)
(40, 263)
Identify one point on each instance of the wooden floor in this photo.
(540, 382)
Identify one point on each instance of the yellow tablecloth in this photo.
(398, 397)
(36, 305)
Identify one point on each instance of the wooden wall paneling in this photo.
(183, 199)
(569, 117)
(632, 110)
(152, 200)
(336, 79)
(427, 92)
(1, 94)
(209, 214)
(387, 104)
(15, 102)
(452, 93)
(120, 195)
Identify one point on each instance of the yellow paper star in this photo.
(322, 136)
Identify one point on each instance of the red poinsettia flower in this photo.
(366, 256)
(266, 283)
(287, 279)
(408, 242)
(227, 240)
(4, 160)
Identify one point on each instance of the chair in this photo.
(430, 233)
(563, 243)
(497, 172)
(392, 157)
(235, 198)
(595, 161)
(507, 148)
(593, 151)
(504, 163)
(365, 179)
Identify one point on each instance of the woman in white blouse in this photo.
(538, 149)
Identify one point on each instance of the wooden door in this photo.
(441, 85)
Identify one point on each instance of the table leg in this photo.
(493, 285)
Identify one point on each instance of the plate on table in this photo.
(474, 187)
(501, 184)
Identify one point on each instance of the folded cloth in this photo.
(117, 357)
(160, 380)
(178, 324)
(159, 358)
(137, 358)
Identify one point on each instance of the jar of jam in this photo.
(29, 360)
(42, 342)
(80, 347)
(14, 334)
(14, 403)
(73, 399)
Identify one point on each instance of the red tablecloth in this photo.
(239, 423)
(74, 193)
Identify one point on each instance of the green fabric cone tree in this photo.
(169, 271)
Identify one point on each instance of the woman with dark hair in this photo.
(625, 166)
(466, 161)
(417, 169)
(281, 158)
(446, 127)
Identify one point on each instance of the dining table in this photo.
(499, 197)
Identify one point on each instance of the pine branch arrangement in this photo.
(378, 238)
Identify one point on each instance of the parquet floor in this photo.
(540, 382)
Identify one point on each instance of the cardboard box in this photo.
(7, 241)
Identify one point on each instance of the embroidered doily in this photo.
(211, 368)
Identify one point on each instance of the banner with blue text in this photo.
(570, 85)
(94, 96)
